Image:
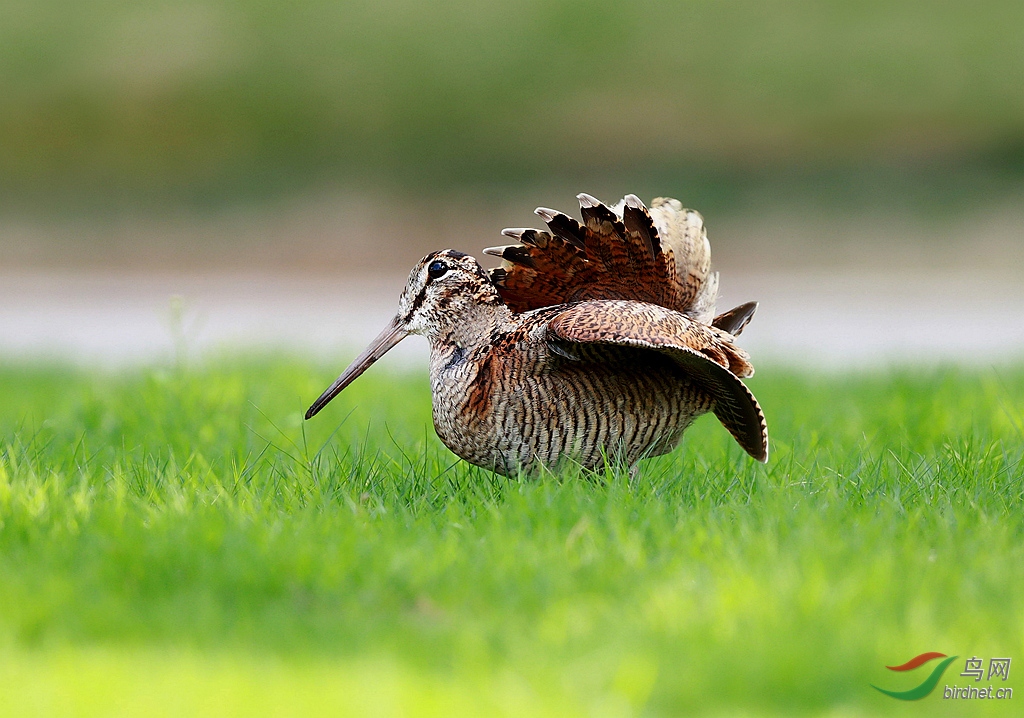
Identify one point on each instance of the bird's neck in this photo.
(472, 327)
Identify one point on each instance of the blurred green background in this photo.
(149, 106)
(216, 135)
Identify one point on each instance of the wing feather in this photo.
(705, 353)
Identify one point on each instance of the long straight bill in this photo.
(392, 334)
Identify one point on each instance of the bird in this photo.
(593, 342)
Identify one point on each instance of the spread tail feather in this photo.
(659, 255)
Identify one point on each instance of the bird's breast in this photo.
(524, 405)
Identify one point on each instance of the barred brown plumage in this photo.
(593, 341)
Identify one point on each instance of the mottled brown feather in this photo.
(707, 355)
(655, 325)
(607, 257)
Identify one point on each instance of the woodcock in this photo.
(592, 342)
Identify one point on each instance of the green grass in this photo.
(210, 99)
(177, 542)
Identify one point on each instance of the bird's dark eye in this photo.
(437, 269)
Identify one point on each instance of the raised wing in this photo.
(661, 256)
(706, 353)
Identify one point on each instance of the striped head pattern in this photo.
(445, 290)
(448, 298)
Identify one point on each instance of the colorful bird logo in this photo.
(929, 683)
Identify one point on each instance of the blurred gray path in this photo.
(811, 317)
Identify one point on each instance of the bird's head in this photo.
(448, 298)
(444, 291)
